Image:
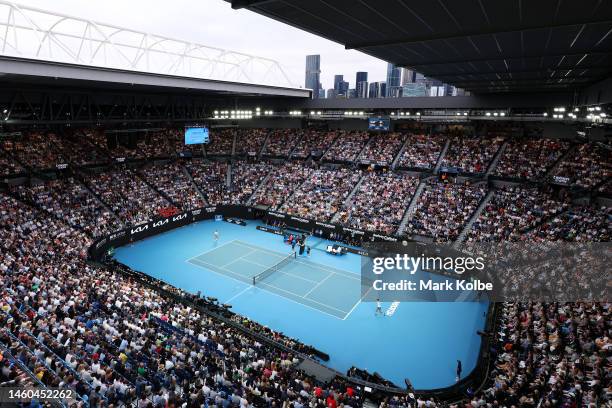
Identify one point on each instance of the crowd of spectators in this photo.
(530, 159)
(382, 149)
(172, 181)
(322, 194)
(133, 200)
(69, 200)
(249, 142)
(221, 142)
(347, 146)
(471, 154)
(116, 342)
(578, 224)
(313, 144)
(587, 166)
(380, 202)
(9, 166)
(443, 209)
(35, 149)
(550, 355)
(115, 144)
(281, 184)
(281, 142)
(157, 144)
(211, 179)
(246, 177)
(513, 210)
(422, 151)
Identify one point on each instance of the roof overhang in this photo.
(18, 70)
(482, 46)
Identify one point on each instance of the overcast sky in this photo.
(213, 22)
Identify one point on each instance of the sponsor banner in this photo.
(561, 180)
(322, 224)
(61, 166)
(361, 252)
(116, 235)
(236, 221)
(234, 214)
(100, 243)
(384, 238)
(302, 220)
(270, 230)
(120, 159)
(353, 231)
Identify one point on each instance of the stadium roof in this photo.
(481, 46)
(18, 71)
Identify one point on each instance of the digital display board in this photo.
(196, 135)
(378, 123)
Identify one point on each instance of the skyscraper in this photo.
(313, 74)
(377, 90)
(397, 77)
(361, 85)
(341, 87)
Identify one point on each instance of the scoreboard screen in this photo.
(378, 123)
(196, 135)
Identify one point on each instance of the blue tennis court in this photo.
(315, 299)
(299, 280)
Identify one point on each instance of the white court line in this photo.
(266, 267)
(319, 284)
(210, 250)
(310, 300)
(269, 285)
(332, 271)
(349, 274)
(239, 258)
(272, 293)
(206, 264)
(237, 294)
(357, 304)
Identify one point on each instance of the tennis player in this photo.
(378, 308)
(216, 236)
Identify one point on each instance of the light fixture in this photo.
(502, 114)
(488, 113)
(545, 114)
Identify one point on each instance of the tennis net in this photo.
(263, 275)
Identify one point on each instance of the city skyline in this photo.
(400, 82)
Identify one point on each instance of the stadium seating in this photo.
(119, 340)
